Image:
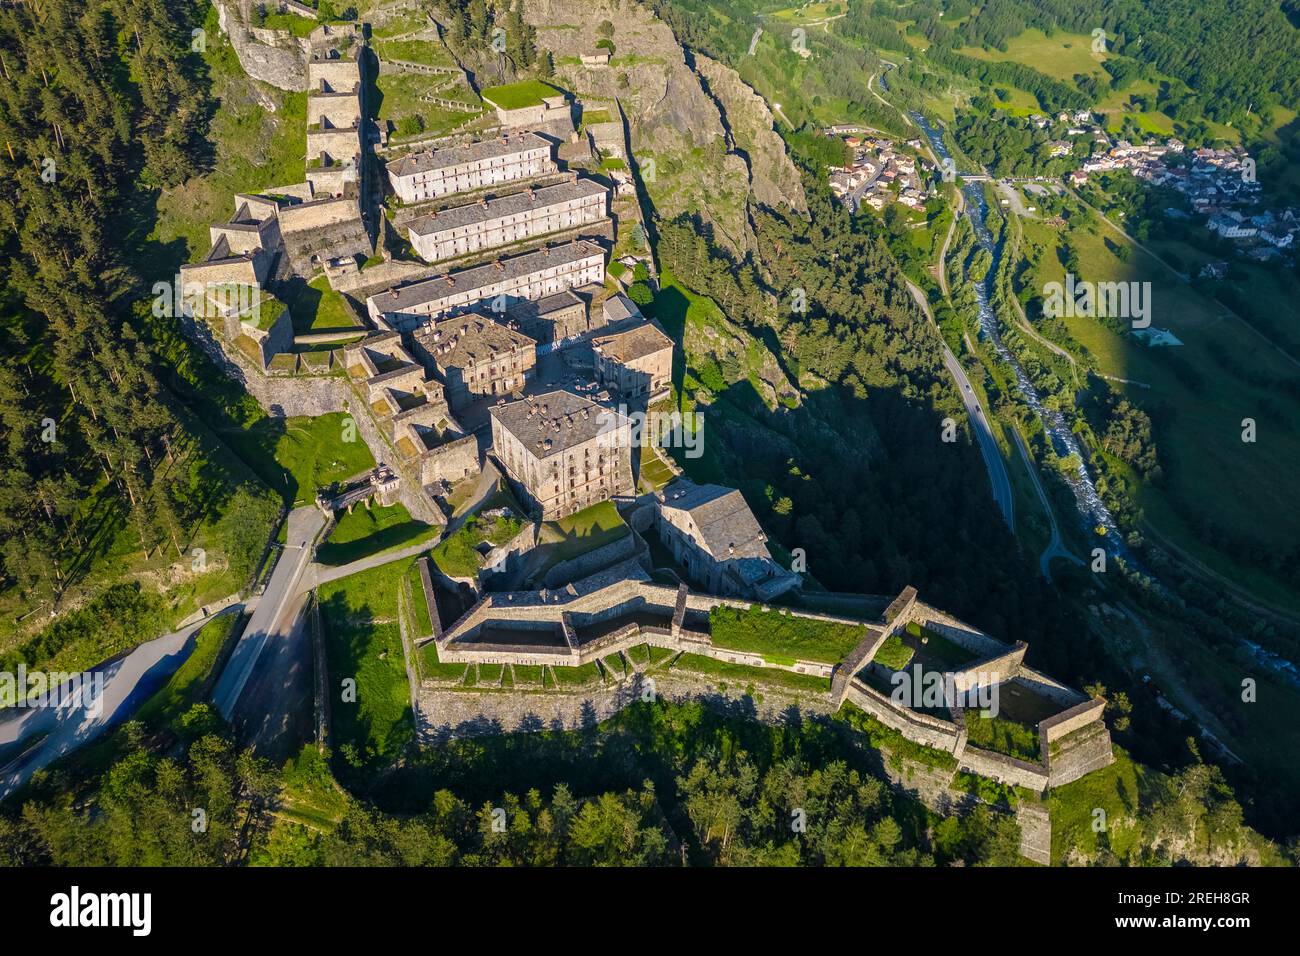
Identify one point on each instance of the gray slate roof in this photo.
(726, 526)
(479, 277)
(474, 152)
(562, 418)
(488, 209)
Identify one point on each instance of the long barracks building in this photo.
(462, 230)
(460, 169)
(531, 275)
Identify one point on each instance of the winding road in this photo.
(128, 680)
(997, 468)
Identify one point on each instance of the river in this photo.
(1093, 512)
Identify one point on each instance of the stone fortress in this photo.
(501, 351)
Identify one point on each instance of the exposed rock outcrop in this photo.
(679, 136)
(272, 56)
(774, 179)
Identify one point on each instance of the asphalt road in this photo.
(997, 468)
(270, 619)
(129, 680)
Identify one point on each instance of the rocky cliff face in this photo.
(699, 153)
(774, 179)
(274, 57)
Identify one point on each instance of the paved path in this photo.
(304, 524)
(318, 574)
(1055, 548)
(997, 468)
(129, 680)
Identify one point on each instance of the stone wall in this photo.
(990, 671)
(1004, 769)
(465, 713)
(318, 215)
(591, 562)
(451, 461)
(959, 632)
(930, 731)
(1051, 689)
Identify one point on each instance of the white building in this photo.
(532, 275)
(488, 223)
(443, 172)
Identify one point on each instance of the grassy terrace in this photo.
(372, 530)
(458, 556)
(434, 669)
(318, 308)
(893, 653)
(297, 456)
(726, 672)
(935, 650)
(1002, 735)
(579, 533)
(515, 96)
(363, 642)
(420, 619)
(783, 638)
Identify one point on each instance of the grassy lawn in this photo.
(893, 654)
(165, 708)
(784, 636)
(457, 555)
(935, 649)
(580, 676)
(727, 672)
(363, 644)
(515, 96)
(298, 456)
(434, 669)
(528, 675)
(653, 470)
(1060, 56)
(582, 532)
(1115, 789)
(419, 606)
(298, 26)
(318, 308)
(1002, 736)
(1198, 395)
(372, 530)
